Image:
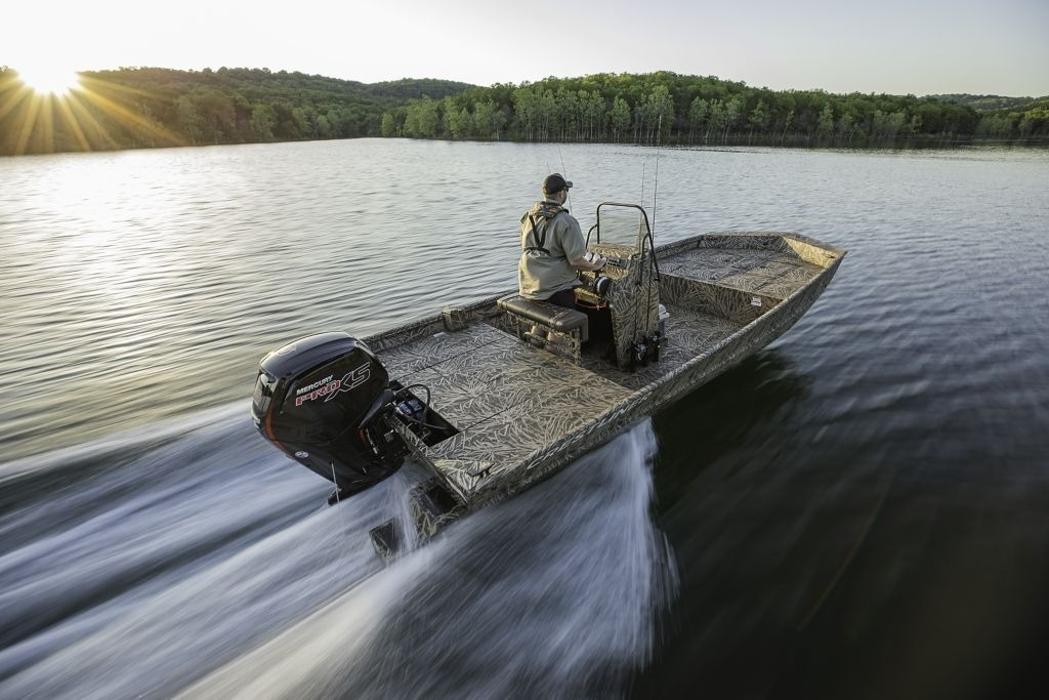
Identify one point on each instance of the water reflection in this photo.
(723, 417)
(765, 524)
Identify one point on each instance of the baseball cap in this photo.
(555, 183)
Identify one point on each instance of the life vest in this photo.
(547, 213)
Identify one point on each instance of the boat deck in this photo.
(773, 273)
(511, 401)
(689, 333)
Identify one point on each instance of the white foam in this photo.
(210, 567)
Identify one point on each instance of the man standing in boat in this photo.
(552, 248)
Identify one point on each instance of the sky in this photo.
(895, 46)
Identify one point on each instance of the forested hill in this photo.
(144, 107)
(990, 103)
(669, 108)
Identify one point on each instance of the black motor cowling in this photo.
(326, 401)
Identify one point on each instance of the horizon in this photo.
(967, 47)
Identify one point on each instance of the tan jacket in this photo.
(542, 273)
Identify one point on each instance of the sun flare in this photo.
(49, 80)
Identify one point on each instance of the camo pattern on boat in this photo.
(600, 428)
(522, 412)
(722, 302)
(566, 344)
(689, 333)
(633, 299)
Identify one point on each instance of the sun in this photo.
(49, 79)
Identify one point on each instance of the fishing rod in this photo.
(655, 186)
(654, 276)
(564, 171)
(643, 164)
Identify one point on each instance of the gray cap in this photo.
(555, 183)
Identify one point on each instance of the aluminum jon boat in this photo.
(492, 397)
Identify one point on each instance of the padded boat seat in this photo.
(558, 318)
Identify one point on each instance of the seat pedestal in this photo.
(557, 329)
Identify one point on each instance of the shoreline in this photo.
(938, 145)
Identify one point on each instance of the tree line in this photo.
(667, 108)
(147, 107)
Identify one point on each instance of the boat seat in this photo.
(558, 318)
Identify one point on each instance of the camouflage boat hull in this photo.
(522, 410)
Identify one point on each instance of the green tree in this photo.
(422, 119)
(500, 118)
(659, 114)
(715, 120)
(486, 123)
(217, 114)
(458, 123)
(411, 121)
(324, 128)
(567, 115)
(547, 114)
(759, 118)
(389, 125)
(527, 112)
(697, 117)
(1033, 122)
(263, 119)
(595, 115)
(825, 126)
(301, 122)
(620, 118)
(732, 114)
(915, 125)
(450, 118)
(886, 125)
(188, 119)
(846, 127)
(788, 125)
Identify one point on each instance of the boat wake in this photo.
(196, 560)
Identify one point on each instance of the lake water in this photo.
(860, 510)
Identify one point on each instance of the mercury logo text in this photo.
(330, 387)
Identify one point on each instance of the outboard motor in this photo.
(326, 401)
